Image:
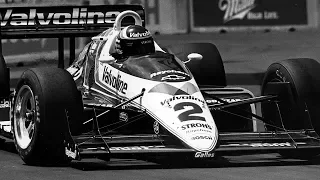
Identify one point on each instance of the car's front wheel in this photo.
(43, 100)
(298, 108)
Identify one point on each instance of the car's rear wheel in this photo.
(209, 70)
(4, 79)
(299, 109)
(43, 100)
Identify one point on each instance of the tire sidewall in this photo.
(302, 74)
(29, 79)
(56, 96)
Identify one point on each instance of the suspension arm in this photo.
(119, 105)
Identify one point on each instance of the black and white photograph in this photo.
(160, 89)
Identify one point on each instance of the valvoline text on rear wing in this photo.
(78, 21)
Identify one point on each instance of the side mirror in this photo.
(106, 59)
(193, 56)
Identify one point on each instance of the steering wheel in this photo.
(122, 15)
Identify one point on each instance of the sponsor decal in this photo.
(196, 125)
(204, 155)
(167, 72)
(235, 9)
(201, 137)
(189, 110)
(78, 16)
(181, 97)
(146, 42)
(103, 104)
(172, 77)
(130, 148)
(156, 128)
(114, 81)
(249, 13)
(123, 116)
(198, 130)
(286, 144)
(4, 104)
(70, 153)
(280, 75)
(139, 35)
(75, 71)
(213, 101)
(187, 89)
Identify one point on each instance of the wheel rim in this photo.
(24, 116)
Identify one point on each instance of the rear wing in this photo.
(61, 22)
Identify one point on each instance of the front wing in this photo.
(230, 144)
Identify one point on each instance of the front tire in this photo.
(303, 113)
(44, 97)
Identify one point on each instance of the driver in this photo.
(133, 40)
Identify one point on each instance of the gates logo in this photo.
(204, 155)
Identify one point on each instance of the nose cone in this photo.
(181, 109)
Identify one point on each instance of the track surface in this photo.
(246, 57)
(249, 167)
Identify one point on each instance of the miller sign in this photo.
(235, 9)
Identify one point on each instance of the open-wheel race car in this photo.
(172, 101)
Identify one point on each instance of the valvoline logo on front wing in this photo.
(181, 108)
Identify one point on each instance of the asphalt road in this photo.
(246, 57)
(249, 167)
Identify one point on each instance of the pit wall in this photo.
(247, 15)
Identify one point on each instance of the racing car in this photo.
(172, 102)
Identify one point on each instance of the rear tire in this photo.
(304, 78)
(39, 123)
(209, 70)
(4, 79)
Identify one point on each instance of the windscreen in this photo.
(157, 67)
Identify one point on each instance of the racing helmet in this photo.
(134, 40)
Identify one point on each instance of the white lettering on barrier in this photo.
(235, 9)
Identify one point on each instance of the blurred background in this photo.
(250, 34)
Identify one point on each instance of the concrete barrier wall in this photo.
(162, 16)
